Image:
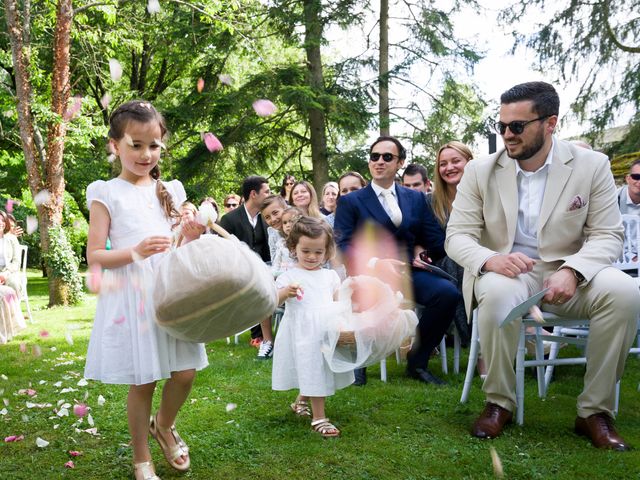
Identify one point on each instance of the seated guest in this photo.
(16, 229)
(271, 210)
(231, 202)
(304, 196)
(287, 185)
(415, 177)
(213, 202)
(350, 182)
(451, 159)
(629, 194)
(11, 318)
(403, 213)
(329, 196)
(541, 213)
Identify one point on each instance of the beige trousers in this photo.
(611, 301)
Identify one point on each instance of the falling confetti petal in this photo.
(225, 79)
(32, 224)
(80, 410)
(200, 85)
(105, 100)
(115, 70)
(68, 337)
(73, 109)
(111, 158)
(264, 108)
(497, 463)
(212, 143)
(41, 442)
(70, 464)
(44, 333)
(128, 140)
(153, 7)
(42, 197)
(101, 400)
(160, 143)
(231, 407)
(9, 205)
(94, 278)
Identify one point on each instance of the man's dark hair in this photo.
(402, 153)
(250, 184)
(544, 97)
(414, 168)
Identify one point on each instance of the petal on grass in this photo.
(80, 410)
(68, 337)
(264, 108)
(74, 453)
(41, 443)
(496, 462)
(212, 142)
(23, 347)
(82, 382)
(101, 400)
(69, 464)
(231, 406)
(44, 333)
(36, 351)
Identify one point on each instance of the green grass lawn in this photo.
(395, 430)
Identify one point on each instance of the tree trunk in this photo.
(46, 172)
(313, 37)
(383, 74)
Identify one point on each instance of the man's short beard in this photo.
(535, 147)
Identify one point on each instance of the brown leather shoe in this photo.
(491, 421)
(600, 430)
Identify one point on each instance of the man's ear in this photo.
(552, 122)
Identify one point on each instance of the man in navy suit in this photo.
(403, 213)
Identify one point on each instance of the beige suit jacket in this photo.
(485, 214)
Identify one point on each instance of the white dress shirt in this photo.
(252, 220)
(531, 187)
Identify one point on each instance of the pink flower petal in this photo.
(94, 278)
(264, 108)
(200, 85)
(14, 438)
(70, 464)
(80, 410)
(74, 453)
(212, 143)
(119, 320)
(44, 333)
(73, 109)
(9, 205)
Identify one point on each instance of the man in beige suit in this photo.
(543, 213)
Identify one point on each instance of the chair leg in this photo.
(443, 356)
(456, 351)
(473, 359)
(553, 354)
(383, 369)
(542, 391)
(615, 410)
(520, 378)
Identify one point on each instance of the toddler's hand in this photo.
(152, 245)
(295, 290)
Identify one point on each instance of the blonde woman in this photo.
(304, 196)
(329, 197)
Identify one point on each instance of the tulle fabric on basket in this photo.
(212, 288)
(378, 330)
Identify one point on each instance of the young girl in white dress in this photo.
(136, 211)
(309, 290)
(281, 260)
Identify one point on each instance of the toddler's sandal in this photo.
(301, 408)
(325, 428)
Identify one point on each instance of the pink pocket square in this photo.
(576, 203)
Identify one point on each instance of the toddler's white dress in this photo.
(298, 362)
(126, 344)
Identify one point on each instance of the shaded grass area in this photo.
(397, 430)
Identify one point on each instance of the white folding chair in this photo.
(629, 261)
(23, 279)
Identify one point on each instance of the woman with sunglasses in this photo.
(287, 185)
(231, 202)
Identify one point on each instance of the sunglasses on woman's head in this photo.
(387, 157)
(517, 126)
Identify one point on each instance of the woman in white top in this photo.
(11, 319)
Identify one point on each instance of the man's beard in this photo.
(535, 147)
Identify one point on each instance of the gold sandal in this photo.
(301, 408)
(144, 471)
(180, 449)
(325, 428)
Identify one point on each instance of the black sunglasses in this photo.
(231, 205)
(635, 176)
(517, 126)
(375, 156)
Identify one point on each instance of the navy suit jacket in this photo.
(419, 226)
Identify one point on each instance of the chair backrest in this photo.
(629, 260)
